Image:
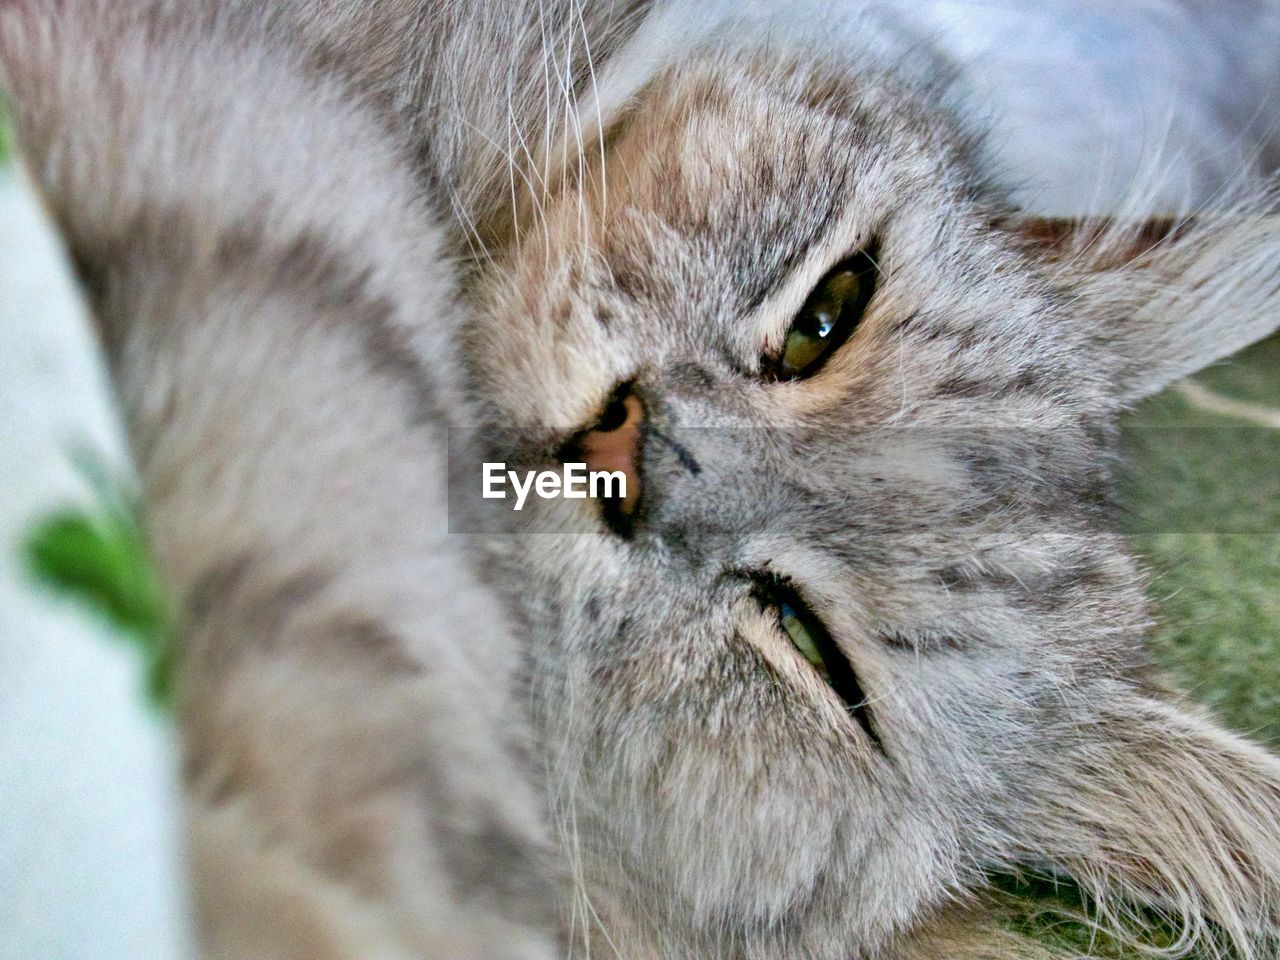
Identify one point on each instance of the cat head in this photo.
(863, 629)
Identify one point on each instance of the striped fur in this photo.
(321, 237)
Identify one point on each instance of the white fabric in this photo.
(89, 816)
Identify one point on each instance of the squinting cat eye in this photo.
(811, 640)
(828, 317)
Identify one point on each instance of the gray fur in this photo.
(319, 234)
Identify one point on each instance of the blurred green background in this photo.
(1203, 487)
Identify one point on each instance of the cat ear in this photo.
(1166, 297)
(1177, 813)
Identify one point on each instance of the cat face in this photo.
(867, 613)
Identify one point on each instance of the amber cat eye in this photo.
(828, 317)
(811, 640)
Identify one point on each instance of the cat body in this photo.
(322, 239)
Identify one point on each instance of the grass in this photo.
(1052, 911)
(1208, 503)
(1210, 507)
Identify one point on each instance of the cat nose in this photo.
(613, 446)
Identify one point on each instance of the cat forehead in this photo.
(706, 142)
(739, 171)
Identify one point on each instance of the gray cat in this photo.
(860, 631)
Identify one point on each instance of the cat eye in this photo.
(812, 641)
(828, 318)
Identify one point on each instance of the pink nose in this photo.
(613, 444)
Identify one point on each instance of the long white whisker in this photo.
(599, 118)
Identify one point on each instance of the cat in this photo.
(860, 633)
